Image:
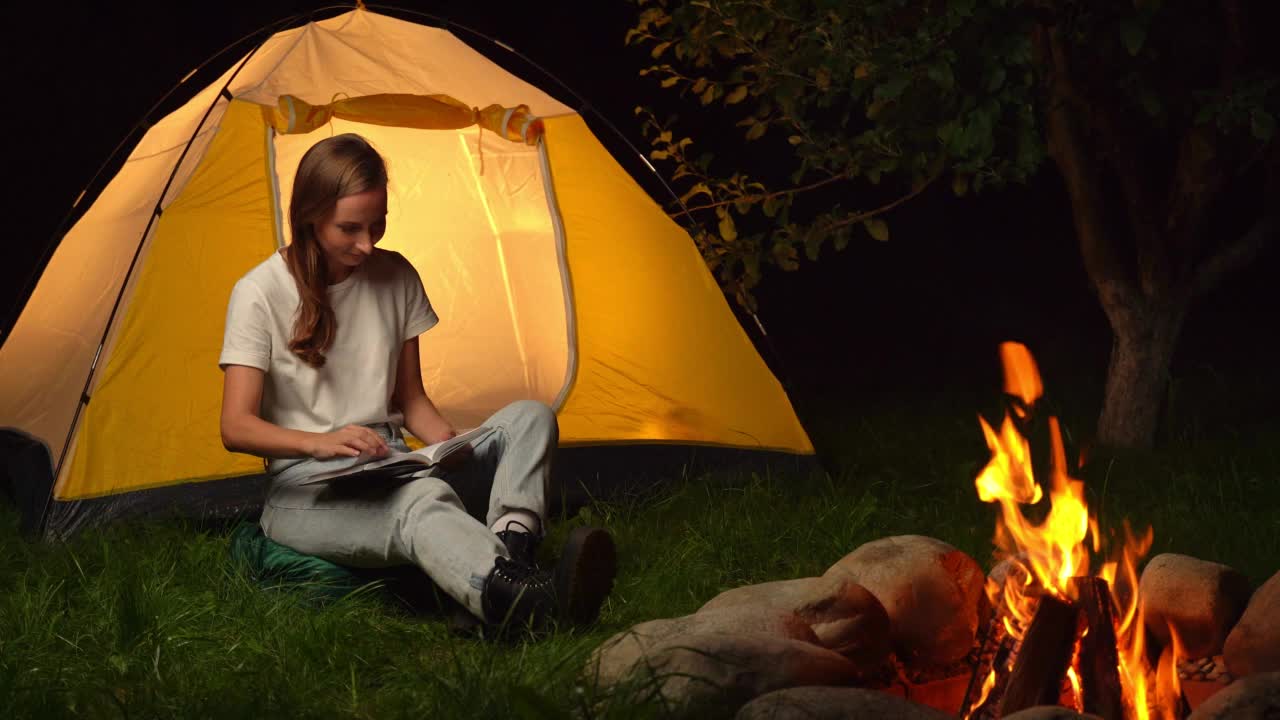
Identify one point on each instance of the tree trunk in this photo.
(1144, 335)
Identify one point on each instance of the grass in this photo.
(145, 620)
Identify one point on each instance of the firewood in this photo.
(1098, 664)
(1043, 657)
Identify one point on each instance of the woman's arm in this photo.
(244, 431)
(420, 415)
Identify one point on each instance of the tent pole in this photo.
(42, 527)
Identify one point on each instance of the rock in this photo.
(1256, 697)
(1253, 646)
(726, 670)
(1050, 712)
(616, 656)
(778, 593)
(1199, 600)
(932, 592)
(835, 703)
(844, 616)
(848, 619)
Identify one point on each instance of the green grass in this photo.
(145, 620)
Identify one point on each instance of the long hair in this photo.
(331, 169)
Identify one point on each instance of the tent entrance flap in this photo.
(470, 211)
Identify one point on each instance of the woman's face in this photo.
(348, 233)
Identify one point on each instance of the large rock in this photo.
(848, 619)
(1256, 697)
(835, 703)
(1200, 600)
(1253, 646)
(932, 592)
(777, 593)
(845, 616)
(616, 657)
(726, 670)
(1050, 712)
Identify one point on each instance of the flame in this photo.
(1077, 695)
(1048, 554)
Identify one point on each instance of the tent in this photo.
(555, 275)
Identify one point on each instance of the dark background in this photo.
(921, 313)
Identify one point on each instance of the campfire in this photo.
(1061, 633)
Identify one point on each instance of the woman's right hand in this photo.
(350, 441)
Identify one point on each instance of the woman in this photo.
(321, 371)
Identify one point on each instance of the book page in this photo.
(399, 462)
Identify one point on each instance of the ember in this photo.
(1062, 634)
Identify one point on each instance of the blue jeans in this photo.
(423, 520)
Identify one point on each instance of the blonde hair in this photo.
(331, 169)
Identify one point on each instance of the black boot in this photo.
(584, 574)
(521, 545)
(518, 595)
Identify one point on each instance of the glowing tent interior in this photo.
(555, 276)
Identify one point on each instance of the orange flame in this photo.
(1049, 554)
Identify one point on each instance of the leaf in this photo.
(841, 240)
(861, 72)
(877, 228)
(727, 229)
(940, 73)
(699, 85)
(960, 185)
(770, 206)
(736, 96)
(709, 95)
(659, 155)
(699, 189)
(670, 81)
(757, 130)
(659, 49)
(1262, 124)
(996, 79)
(795, 139)
(893, 87)
(665, 136)
(743, 206)
(1133, 35)
(785, 256)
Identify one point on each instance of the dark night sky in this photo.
(957, 277)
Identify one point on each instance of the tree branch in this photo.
(1200, 173)
(780, 193)
(1236, 254)
(1122, 147)
(859, 217)
(1068, 150)
(1240, 252)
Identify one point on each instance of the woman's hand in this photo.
(459, 456)
(350, 441)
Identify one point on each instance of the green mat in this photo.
(273, 565)
(318, 582)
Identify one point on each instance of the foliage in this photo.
(900, 94)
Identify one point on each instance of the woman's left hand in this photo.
(459, 456)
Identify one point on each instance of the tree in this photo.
(1159, 117)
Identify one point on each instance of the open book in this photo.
(400, 464)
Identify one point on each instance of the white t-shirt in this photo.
(378, 307)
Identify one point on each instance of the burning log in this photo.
(1098, 660)
(1062, 635)
(1043, 658)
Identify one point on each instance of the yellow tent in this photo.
(555, 276)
